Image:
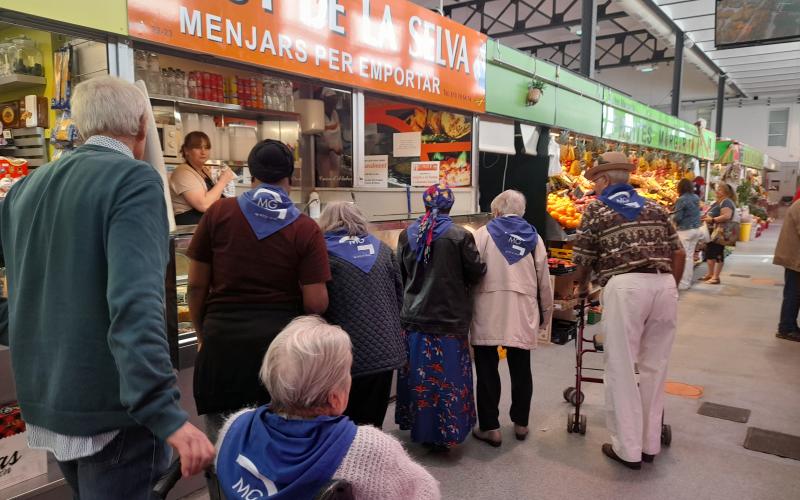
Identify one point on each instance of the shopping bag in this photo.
(726, 233)
(705, 235)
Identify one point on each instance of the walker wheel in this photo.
(582, 425)
(575, 424)
(666, 434)
(567, 393)
(576, 398)
(570, 418)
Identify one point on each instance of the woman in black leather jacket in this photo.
(439, 262)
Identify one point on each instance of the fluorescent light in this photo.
(646, 68)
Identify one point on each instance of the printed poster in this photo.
(376, 171)
(407, 144)
(424, 173)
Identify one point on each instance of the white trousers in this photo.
(689, 238)
(639, 321)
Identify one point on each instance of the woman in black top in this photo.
(721, 211)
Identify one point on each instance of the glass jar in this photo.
(6, 65)
(140, 65)
(27, 58)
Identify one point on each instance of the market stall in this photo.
(376, 113)
(744, 168)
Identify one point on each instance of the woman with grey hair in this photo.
(290, 448)
(365, 296)
(512, 302)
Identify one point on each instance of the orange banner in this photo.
(389, 46)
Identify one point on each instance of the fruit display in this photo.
(656, 177)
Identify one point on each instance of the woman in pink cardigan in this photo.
(512, 302)
(290, 448)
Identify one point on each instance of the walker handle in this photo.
(168, 480)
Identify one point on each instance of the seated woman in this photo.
(290, 448)
(191, 186)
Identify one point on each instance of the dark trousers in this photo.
(791, 302)
(488, 385)
(128, 467)
(369, 398)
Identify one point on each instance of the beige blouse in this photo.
(183, 179)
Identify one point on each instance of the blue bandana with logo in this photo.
(268, 209)
(623, 199)
(361, 252)
(266, 455)
(514, 237)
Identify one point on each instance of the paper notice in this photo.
(424, 173)
(407, 144)
(376, 171)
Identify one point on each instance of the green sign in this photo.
(728, 151)
(581, 105)
(625, 127)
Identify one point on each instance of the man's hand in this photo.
(193, 447)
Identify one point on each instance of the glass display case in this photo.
(181, 334)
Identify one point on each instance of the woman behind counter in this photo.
(365, 298)
(190, 185)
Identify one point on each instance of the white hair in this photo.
(343, 216)
(509, 202)
(108, 106)
(307, 361)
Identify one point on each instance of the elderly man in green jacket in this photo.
(85, 243)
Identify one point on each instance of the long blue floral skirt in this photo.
(434, 389)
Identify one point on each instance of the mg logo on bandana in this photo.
(359, 244)
(624, 199)
(516, 242)
(271, 203)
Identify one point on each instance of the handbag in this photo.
(705, 235)
(726, 233)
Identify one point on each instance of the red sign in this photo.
(389, 46)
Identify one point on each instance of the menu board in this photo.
(409, 133)
(754, 22)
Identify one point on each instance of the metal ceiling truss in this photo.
(616, 50)
(523, 11)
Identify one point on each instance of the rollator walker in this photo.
(576, 421)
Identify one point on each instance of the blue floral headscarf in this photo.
(437, 198)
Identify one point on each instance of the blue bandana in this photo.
(267, 209)
(281, 458)
(361, 252)
(514, 237)
(623, 199)
(437, 225)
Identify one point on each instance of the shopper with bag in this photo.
(687, 220)
(724, 229)
(633, 248)
(787, 254)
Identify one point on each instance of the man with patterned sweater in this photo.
(634, 251)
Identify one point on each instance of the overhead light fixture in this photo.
(576, 29)
(647, 68)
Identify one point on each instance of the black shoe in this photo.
(485, 437)
(608, 451)
(789, 336)
(648, 458)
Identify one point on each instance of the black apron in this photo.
(193, 216)
(235, 339)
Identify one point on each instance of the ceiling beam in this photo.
(613, 36)
(555, 25)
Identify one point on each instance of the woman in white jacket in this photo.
(512, 303)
